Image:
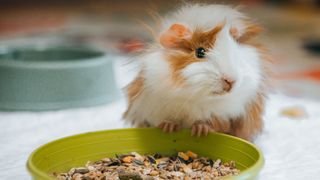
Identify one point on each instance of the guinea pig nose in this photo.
(227, 84)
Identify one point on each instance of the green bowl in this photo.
(55, 77)
(74, 151)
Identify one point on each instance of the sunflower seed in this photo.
(81, 170)
(151, 160)
(138, 162)
(124, 175)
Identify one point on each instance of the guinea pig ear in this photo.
(249, 31)
(172, 37)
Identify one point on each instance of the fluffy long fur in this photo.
(173, 85)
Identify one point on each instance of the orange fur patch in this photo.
(234, 33)
(200, 38)
(179, 62)
(247, 126)
(220, 125)
(251, 30)
(251, 124)
(186, 51)
(134, 89)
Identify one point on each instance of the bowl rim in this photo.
(101, 57)
(242, 175)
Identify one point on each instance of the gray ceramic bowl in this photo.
(55, 78)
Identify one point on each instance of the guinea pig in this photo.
(203, 73)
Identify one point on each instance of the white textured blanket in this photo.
(291, 147)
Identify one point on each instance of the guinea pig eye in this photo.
(200, 52)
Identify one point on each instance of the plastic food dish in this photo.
(75, 151)
(57, 77)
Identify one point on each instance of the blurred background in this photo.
(292, 30)
(292, 33)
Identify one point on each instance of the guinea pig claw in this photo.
(169, 127)
(200, 129)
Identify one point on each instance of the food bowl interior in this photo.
(75, 151)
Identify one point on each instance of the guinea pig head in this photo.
(208, 62)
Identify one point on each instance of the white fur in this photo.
(161, 101)
(205, 17)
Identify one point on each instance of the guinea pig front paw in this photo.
(169, 126)
(201, 128)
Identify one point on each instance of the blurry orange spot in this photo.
(130, 46)
(313, 74)
(27, 25)
(234, 32)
